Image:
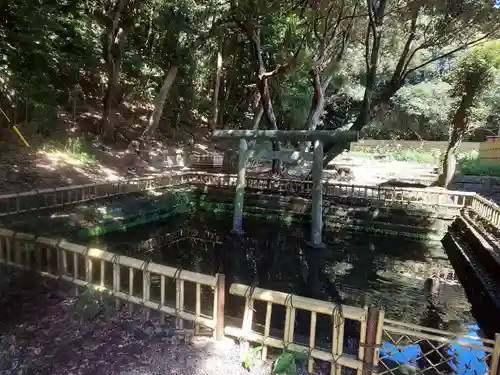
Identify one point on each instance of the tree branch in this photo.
(453, 51)
(283, 68)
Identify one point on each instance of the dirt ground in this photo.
(39, 166)
(42, 332)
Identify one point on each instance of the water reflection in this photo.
(396, 274)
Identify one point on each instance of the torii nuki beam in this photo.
(317, 136)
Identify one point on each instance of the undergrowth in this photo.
(285, 364)
(94, 302)
(74, 151)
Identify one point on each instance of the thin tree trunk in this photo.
(113, 51)
(257, 117)
(459, 128)
(372, 55)
(215, 103)
(317, 106)
(450, 160)
(159, 102)
(263, 84)
(112, 98)
(268, 111)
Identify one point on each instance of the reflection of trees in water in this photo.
(353, 269)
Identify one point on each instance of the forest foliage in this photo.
(384, 68)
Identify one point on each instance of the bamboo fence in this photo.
(380, 340)
(38, 199)
(79, 265)
(490, 150)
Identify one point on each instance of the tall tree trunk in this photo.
(372, 55)
(459, 128)
(215, 101)
(159, 102)
(263, 77)
(257, 117)
(317, 106)
(113, 51)
(268, 111)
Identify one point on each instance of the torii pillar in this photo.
(317, 136)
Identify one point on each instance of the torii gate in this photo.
(317, 136)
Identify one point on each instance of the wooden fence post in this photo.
(219, 301)
(372, 328)
(495, 363)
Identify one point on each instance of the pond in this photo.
(413, 281)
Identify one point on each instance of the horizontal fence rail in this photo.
(335, 355)
(85, 266)
(34, 200)
(384, 346)
(486, 209)
(64, 196)
(439, 197)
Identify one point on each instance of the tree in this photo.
(473, 75)
(332, 24)
(118, 20)
(426, 32)
(247, 18)
(415, 112)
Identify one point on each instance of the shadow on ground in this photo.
(41, 332)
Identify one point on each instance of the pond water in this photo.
(354, 269)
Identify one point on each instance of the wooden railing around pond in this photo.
(58, 197)
(85, 266)
(382, 346)
(67, 195)
(389, 195)
(486, 209)
(334, 355)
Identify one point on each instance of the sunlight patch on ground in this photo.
(62, 158)
(82, 164)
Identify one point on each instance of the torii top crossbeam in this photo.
(284, 135)
(318, 136)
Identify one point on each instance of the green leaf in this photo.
(250, 356)
(284, 363)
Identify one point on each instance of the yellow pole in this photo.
(16, 130)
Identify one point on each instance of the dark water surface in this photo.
(354, 269)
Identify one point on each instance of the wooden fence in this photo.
(387, 195)
(38, 199)
(51, 198)
(58, 197)
(486, 210)
(367, 145)
(84, 266)
(335, 356)
(490, 150)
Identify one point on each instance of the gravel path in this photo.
(42, 333)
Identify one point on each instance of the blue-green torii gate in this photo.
(318, 137)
